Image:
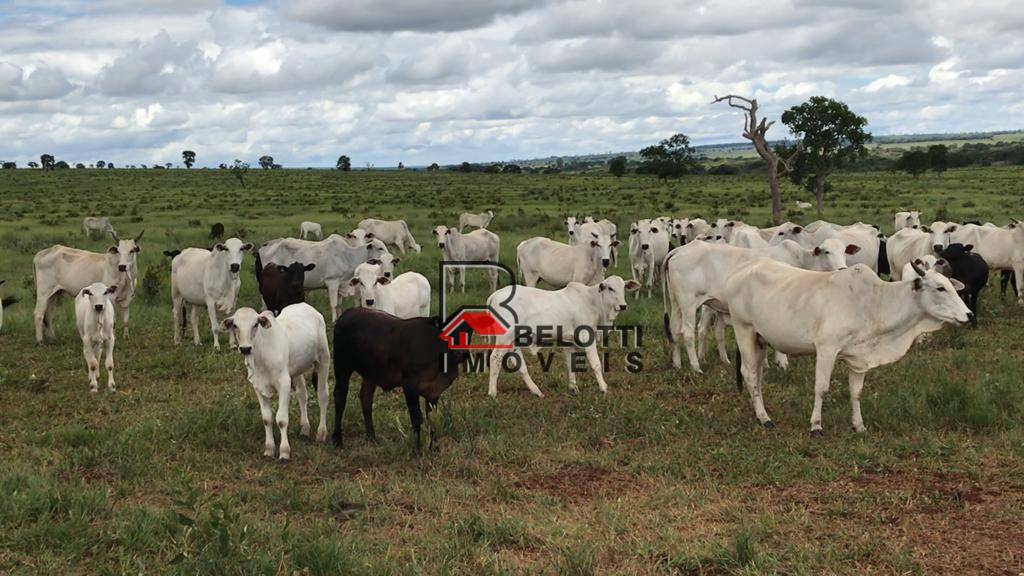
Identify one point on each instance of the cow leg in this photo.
(211, 309)
(594, 359)
(823, 366)
(572, 374)
(178, 311)
(751, 369)
(341, 379)
(193, 312)
(322, 398)
(493, 274)
(284, 388)
(462, 278)
(39, 316)
(412, 402)
(687, 329)
(650, 280)
(110, 363)
(782, 360)
(494, 369)
(51, 304)
(429, 408)
(366, 399)
(1018, 272)
(1004, 279)
(302, 395)
(856, 385)
(267, 414)
(125, 312)
(332, 294)
(92, 364)
(637, 277)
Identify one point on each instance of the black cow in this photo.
(279, 285)
(970, 269)
(883, 257)
(388, 353)
(217, 231)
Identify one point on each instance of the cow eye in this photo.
(942, 288)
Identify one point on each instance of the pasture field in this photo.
(668, 473)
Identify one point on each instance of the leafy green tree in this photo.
(46, 161)
(830, 135)
(62, 165)
(33, 165)
(188, 157)
(401, 166)
(344, 163)
(239, 169)
(433, 167)
(617, 166)
(938, 158)
(465, 167)
(913, 162)
(101, 164)
(670, 158)
(511, 169)
(266, 161)
(10, 165)
(79, 166)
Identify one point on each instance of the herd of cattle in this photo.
(800, 290)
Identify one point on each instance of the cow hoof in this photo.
(283, 461)
(336, 441)
(768, 424)
(573, 391)
(860, 430)
(817, 433)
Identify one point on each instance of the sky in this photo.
(388, 81)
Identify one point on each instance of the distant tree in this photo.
(79, 166)
(223, 166)
(913, 162)
(670, 158)
(239, 170)
(46, 161)
(401, 166)
(10, 165)
(551, 170)
(266, 162)
(433, 167)
(617, 166)
(938, 158)
(110, 165)
(143, 166)
(830, 134)
(492, 169)
(188, 157)
(62, 165)
(512, 169)
(344, 163)
(101, 164)
(33, 165)
(276, 167)
(465, 167)
(169, 165)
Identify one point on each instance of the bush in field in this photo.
(153, 278)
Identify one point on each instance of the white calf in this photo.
(94, 315)
(307, 229)
(209, 279)
(278, 352)
(479, 245)
(482, 220)
(407, 296)
(392, 232)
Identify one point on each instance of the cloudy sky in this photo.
(134, 81)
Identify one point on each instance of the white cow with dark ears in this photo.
(94, 315)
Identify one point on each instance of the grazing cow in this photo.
(479, 245)
(63, 270)
(391, 353)
(334, 257)
(94, 315)
(392, 232)
(648, 245)
(906, 220)
(307, 229)
(93, 224)
(4, 303)
(278, 351)
(482, 220)
(970, 269)
(407, 296)
(695, 272)
(279, 285)
(216, 231)
(207, 278)
(801, 205)
(849, 315)
(577, 306)
(862, 235)
(558, 264)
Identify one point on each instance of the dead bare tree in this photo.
(755, 132)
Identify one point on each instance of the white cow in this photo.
(572, 227)
(278, 352)
(307, 229)
(392, 232)
(207, 278)
(850, 315)
(100, 224)
(387, 262)
(926, 262)
(479, 245)
(693, 228)
(407, 296)
(862, 235)
(94, 315)
(911, 243)
(694, 272)
(577, 306)
(358, 237)
(558, 264)
(63, 270)
(648, 244)
(801, 205)
(482, 220)
(605, 226)
(1002, 248)
(907, 220)
(335, 260)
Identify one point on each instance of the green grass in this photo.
(667, 474)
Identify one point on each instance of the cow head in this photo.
(648, 232)
(230, 252)
(940, 234)
(937, 296)
(572, 226)
(97, 294)
(612, 293)
(387, 263)
(366, 279)
(375, 249)
(443, 234)
(831, 254)
(601, 244)
(123, 255)
(296, 273)
(245, 323)
(787, 231)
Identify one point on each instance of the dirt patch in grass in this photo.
(578, 483)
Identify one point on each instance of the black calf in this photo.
(971, 270)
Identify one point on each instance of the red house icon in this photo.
(468, 322)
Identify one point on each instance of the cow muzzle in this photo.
(387, 274)
(122, 267)
(235, 268)
(645, 246)
(98, 307)
(440, 245)
(370, 302)
(937, 248)
(572, 233)
(622, 307)
(245, 350)
(605, 262)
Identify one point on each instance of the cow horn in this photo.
(139, 237)
(114, 236)
(917, 268)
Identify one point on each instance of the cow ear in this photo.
(615, 242)
(86, 291)
(350, 236)
(228, 323)
(354, 281)
(310, 267)
(263, 320)
(137, 249)
(957, 285)
(396, 260)
(969, 247)
(112, 250)
(383, 280)
(220, 248)
(434, 232)
(247, 246)
(370, 236)
(951, 228)
(852, 248)
(654, 230)
(2, 281)
(797, 229)
(111, 289)
(917, 283)
(373, 262)
(927, 229)
(593, 243)
(632, 285)
(601, 287)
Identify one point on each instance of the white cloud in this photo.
(886, 82)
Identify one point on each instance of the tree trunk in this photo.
(819, 194)
(773, 185)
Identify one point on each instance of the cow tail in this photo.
(665, 298)
(739, 370)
